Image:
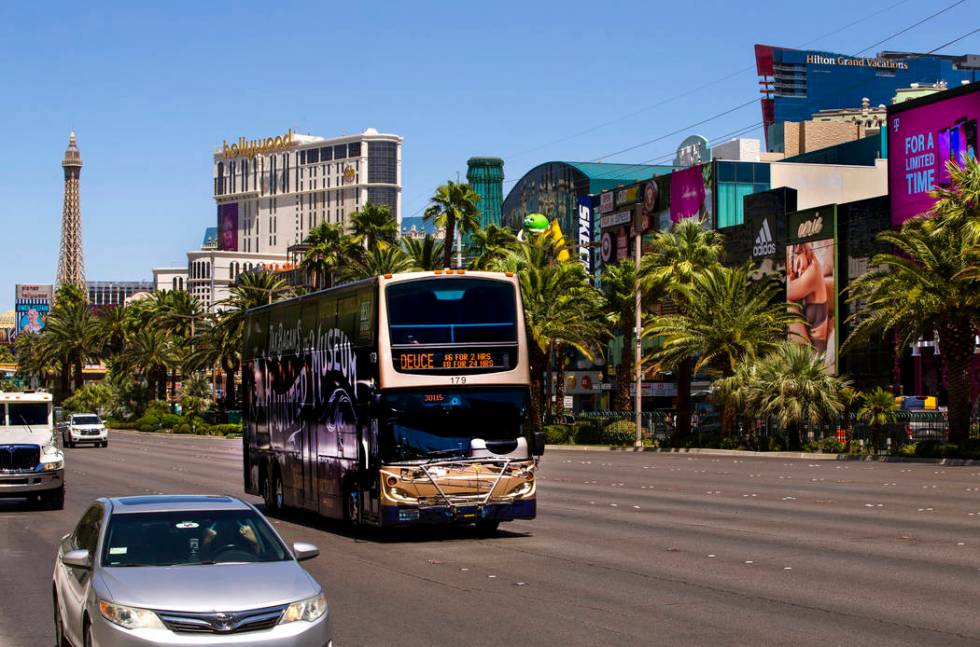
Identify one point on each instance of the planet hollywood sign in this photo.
(249, 149)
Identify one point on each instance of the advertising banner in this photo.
(228, 226)
(606, 203)
(27, 292)
(811, 279)
(585, 232)
(921, 140)
(686, 193)
(31, 317)
(616, 219)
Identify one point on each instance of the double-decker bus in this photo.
(395, 400)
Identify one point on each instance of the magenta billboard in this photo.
(922, 136)
(228, 226)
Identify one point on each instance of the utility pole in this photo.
(638, 360)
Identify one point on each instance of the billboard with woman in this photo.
(811, 280)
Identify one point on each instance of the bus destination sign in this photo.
(458, 360)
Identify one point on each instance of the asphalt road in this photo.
(628, 549)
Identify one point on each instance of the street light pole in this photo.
(638, 360)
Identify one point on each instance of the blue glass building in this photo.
(797, 83)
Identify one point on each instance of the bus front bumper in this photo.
(393, 515)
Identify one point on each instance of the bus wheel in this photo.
(487, 528)
(272, 493)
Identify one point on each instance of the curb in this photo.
(706, 451)
(170, 433)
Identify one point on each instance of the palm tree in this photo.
(112, 324)
(726, 319)
(561, 309)
(426, 253)
(177, 313)
(677, 257)
(379, 260)
(151, 353)
(72, 333)
(328, 248)
(489, 245)
(958, 204)
(373, 225)
(35, 359)
(921, 290)
(454, 206)
(792, 386)
(878, 408)
(619, 289)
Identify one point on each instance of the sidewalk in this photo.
(810, 456)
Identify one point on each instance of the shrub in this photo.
(731, 442)
(587, 432)
(935, 449)
(169, 420)
(855, 448)
(811, 446)
(908, 449)
(833, 446)
(621, 432)
(227, 429)
(157, 408)
(147, 422)
(183, 428)
(554, 434)
(775, 444)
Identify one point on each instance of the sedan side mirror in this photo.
(539, 442)
(77, 559)
(303, 551)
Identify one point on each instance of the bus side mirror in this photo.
(539, 440)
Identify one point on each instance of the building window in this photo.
(382, 163)
(354, 150)
(220, 179)
(384, 195)
(326, 154)
(340, 151)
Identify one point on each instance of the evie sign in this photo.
(616, 219)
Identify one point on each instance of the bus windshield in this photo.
(452, 311)
(426, 424)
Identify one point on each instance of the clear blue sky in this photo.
(152, 88)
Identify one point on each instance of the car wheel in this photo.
(273, 494)
(87, 634)
(59, 627)
(105, 443)
(55, 499)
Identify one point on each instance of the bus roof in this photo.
(373, 280)
(28, 396)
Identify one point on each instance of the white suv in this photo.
(84, 428)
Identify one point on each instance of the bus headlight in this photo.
(310, 609)
(53, 465)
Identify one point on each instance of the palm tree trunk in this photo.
(447, 248)
(559, 381)
(538, 363)
(956, 342)
(683, 431)
(550, 383)
(624, 372)
(79, 379)
(230, 399)
(161, 381)
(65, 377)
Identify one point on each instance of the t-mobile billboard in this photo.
(922, 137)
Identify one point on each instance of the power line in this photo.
(913, 26)
(955, 40)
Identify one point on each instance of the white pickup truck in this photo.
(32, 466)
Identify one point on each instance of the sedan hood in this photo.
(218, 587)
(24, 436)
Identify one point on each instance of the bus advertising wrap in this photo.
(921, 140)
(811, 280)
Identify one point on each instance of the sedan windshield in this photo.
(190, 538)
(433, 423)
(85, 420)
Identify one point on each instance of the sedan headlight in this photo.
(129, 617)
(53, 465)
(309, 609)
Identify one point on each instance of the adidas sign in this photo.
(764, 245)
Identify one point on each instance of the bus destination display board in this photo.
(456, 360)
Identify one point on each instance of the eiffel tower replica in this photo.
(71, 265)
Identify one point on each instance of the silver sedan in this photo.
(184, 570)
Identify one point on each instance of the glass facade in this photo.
(486, 176)
(384, 195)
(735, 180)
(382, 163)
